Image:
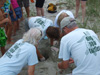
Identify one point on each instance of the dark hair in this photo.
(53, 32)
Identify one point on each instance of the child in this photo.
(83, 6)
(3, 37)
(15, 14)
(8, 27)
(24, 3)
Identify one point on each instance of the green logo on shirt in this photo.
(40, 21)
(16, 47)
(91, 44)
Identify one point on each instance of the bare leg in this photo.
(17, 25)
(3, 50)
(22, 14)
(9, 32)
(14, 27)
(27, 11)
(42, 11)
(83, 6)
(77, 7)
(38, 11)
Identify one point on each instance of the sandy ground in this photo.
(48, 67)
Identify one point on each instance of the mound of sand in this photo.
(48, 67)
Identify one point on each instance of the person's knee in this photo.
(83, 4)
(10, 26)
(27, 8)
(77, 4)
(83, 7)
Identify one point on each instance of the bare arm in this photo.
(31, 70)
(2, 22)
(14, 15)
(38, 53)
(51, 42)
(63, 64)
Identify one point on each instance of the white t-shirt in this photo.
(65, 11)
(84, 47)
(19, 55)
(40, 22)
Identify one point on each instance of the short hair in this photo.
(32, 36)
(61, 16)
(53, 32)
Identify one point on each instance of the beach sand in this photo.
(48, 67)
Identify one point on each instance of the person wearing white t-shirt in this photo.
(38, 22)
(41, 23)
(61, 15)
(81, 46)
(23, 52)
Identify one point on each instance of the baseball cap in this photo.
(67, 21)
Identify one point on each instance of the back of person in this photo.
(69, 13)
(19, 55)
(40, 22)
(84, 47)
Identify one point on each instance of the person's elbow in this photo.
(65, 64)
(30, 72)
(65, 67)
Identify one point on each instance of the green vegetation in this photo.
(92, 21)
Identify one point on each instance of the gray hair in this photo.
(32, 36)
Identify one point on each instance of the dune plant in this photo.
(93, 8)
(70, 4)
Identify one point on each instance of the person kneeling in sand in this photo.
(42, 24)
(82, 45)
(23, 52)
(61, 15)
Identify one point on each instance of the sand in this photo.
(48, 67)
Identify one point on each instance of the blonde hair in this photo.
(32, 36)
(61, 16)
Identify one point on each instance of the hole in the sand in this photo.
(46, 56)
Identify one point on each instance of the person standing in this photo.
(8, 27)
(15, 14)
(41, 23)
(83, 6)
(39, 7)
(24, 3)
(82, 45)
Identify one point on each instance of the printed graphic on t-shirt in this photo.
(91, 43)
(40, 22)
(16, 47)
